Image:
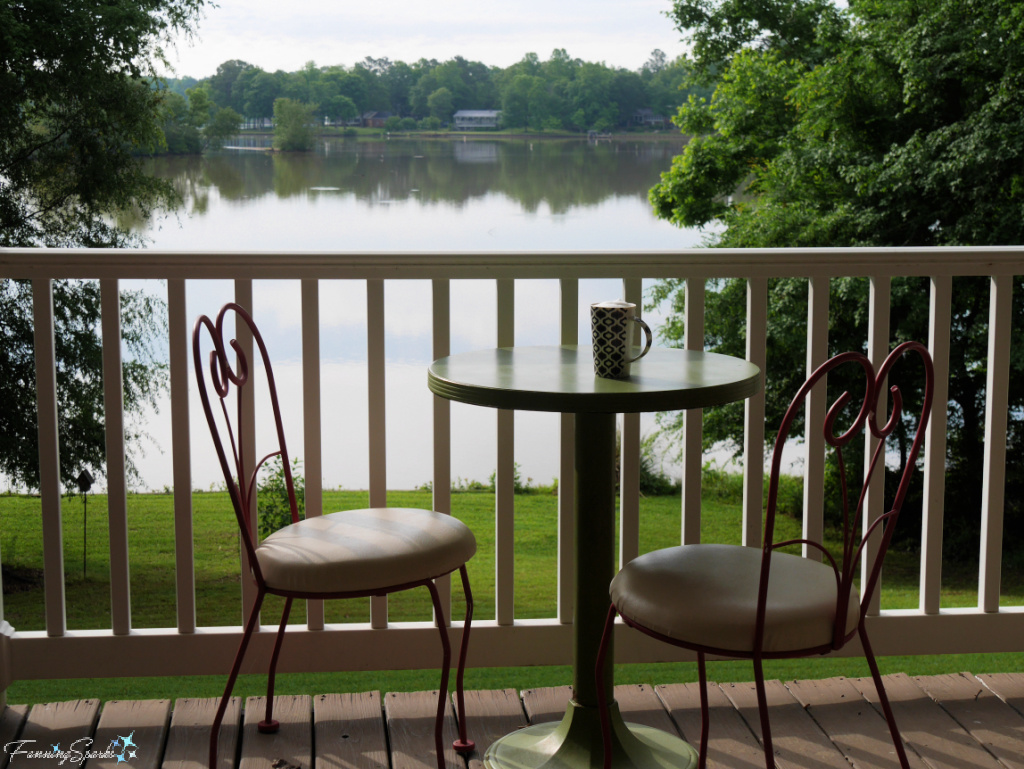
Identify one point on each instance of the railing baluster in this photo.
(179, 334)
(569, 299)
(49, 456)
(879, 303)
(753, 413)
(933, 503)
(994, 475)
(814, 466)
(693, 420)
(311, 422)
(376, 418)
(442, 476)
(629, 454)
(247, 428)
(504, 519)
(117, 490)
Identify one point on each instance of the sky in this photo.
(272, 34)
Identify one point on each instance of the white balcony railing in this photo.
(122, 650)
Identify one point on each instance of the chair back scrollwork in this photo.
(229, 385)
(869, 418)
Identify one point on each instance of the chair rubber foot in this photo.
(268, 727)
(464, 747)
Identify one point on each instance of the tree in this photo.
(197, 124)
(76, 113)
(440, 104)
(200, 105)
(524, 102)
(354, 87)
(222, 126)
(260, 89)
(400, 79)
(79, 360)
(75, 108)
(293, 125)
(657, 63)
(340, 108)
(223, 88)
(180, 136)
(892, 123)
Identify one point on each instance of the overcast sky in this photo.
(273, 34)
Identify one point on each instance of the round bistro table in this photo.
(562, 379)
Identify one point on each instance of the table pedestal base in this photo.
(575, 743)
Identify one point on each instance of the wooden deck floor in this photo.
(948, 722)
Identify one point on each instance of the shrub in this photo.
(274, 506)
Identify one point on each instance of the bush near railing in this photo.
(274, 505)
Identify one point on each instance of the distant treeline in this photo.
(560, 94)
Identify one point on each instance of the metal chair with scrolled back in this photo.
(350, 554)
(760, 604)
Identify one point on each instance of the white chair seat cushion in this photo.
(364, 550)
(706, 595)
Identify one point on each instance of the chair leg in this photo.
(463, 744)
(897, 741)
(442, 694)
(250, 625)
(602, 699)
(705, 712)
(268, 725)
(762, 706)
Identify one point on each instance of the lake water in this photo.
(396, 195)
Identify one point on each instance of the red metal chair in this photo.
(351, 554)
(763, 604)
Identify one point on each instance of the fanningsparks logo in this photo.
(122, 748)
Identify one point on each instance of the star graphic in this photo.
(128, 742)
(56, 748)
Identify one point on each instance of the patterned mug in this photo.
(610, 324)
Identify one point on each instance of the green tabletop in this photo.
(561, 378)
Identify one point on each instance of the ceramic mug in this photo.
(610, 323)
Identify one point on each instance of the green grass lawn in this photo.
(151, 541)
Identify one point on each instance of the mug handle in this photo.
(647, 333)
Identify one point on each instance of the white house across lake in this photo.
(477, 118)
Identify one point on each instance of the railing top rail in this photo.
(697, 263)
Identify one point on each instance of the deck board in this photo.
(67, 725)
(955, 721)
(639, 704)
(546, 703)
(11, 721)
(188, 741)
(926, 727)
(291, 746)
(410, 720)
(797, 740)
(492, 714)
(994, 724)
(853, 725)
(135, 731)
(731, 743)
(1009, 687)
(348, 732)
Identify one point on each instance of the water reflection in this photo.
(559, 174)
